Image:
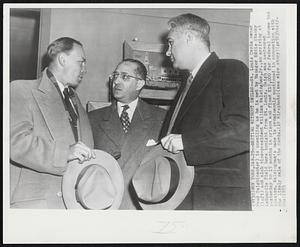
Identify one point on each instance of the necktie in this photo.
(72, 112)
(67, 99)
(125, 118)
(69, 105)
(179, 102)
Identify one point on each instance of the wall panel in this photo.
(103, 31)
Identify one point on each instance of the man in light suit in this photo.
(209, 121)
(124, 128)
(48, 128)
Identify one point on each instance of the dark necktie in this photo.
(69, 105)
(72, 112)
(179, 103)
(125, 118)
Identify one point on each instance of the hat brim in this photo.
(186, 178)
(74, 168)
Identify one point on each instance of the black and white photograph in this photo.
(167, 120)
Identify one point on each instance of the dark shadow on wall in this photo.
(24, 42)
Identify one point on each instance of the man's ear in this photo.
(61, 59)
(189, 37)
(140, 84)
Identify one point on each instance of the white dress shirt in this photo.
(132, 105)
(61, 87)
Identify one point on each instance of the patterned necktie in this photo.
(179, 102)
(69, 106)
(125, 118)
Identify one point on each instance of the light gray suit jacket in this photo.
(40, 135)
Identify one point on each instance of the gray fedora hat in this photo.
(162, 180)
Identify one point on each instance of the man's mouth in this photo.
(117, 88)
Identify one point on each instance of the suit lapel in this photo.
(138, 131)
(52, 109)
(112, 127)
(199, 83)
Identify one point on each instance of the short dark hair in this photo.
(193, 23)
(140, 70)
(63, 44)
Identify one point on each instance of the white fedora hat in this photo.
(94, 184)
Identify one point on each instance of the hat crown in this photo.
(152, 181)
(94, 188)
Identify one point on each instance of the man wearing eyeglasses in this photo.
(123, 128)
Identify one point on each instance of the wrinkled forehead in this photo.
(126, 67)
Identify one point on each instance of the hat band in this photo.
(174, 182)
(78, 197)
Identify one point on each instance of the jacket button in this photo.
(59, 194)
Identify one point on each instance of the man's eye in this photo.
(125, 77)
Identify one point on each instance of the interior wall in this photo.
(103, 31)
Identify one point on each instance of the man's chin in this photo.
(74, 85)
(117, 98)
(116, 94)
(175, 64)
(178, 66)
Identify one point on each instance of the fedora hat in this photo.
(162, 180)
(94, 184)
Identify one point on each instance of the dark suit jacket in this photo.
(40, 136)
(109, 136)
(214, 123)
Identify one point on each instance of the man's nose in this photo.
(168, 52)
(84, 69)
(117, 80)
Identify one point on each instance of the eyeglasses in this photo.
(124, 76)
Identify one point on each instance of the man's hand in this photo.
(81, 152)
(172, 143)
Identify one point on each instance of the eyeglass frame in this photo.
(124, 76)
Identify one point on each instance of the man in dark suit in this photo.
(48, 128)
(124, 128)
(210, 119)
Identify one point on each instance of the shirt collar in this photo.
(54, 80)
(195, 70)
(132, 105)
(61, 87)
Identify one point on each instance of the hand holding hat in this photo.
(81, 152)
(172, 143)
